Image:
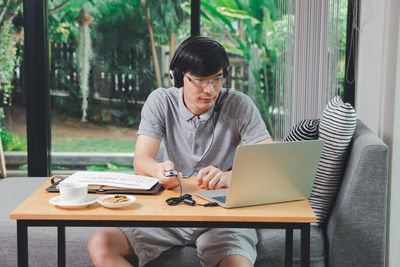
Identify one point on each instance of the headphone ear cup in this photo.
(172, 77)
(178, 78)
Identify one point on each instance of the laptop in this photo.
(269, 173)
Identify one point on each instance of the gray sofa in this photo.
(354, 235)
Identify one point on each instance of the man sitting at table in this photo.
(201, 125)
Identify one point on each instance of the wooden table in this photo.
(152, 211)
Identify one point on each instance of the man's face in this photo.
(200, 93)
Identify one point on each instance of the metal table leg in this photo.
(305, 245)
(289, 247)
(22, 243)
(61, 245)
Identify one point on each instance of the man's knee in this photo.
(99, 246)
(107, 243)
(235, 260)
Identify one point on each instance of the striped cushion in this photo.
(336, 128)
(304, 130)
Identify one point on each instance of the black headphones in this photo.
(175, 73)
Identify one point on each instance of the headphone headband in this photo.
(184, 44)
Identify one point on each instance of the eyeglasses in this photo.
(200, 83)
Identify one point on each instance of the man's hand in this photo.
(167, 182)
(213, 178)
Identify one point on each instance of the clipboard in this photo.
(56, 179)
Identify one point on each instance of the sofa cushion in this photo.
(305, 130)
(270, 251)
(271, 247)
(336, 128)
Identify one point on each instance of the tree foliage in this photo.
(8, 61)
(166, 17)
(251, 29)
(9, 9)
(241, 26)
(120, 34)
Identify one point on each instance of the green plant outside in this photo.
(62, 27)
(123, 49)
(167, 17)
(241, 27)
(12, 142)
(254, 29)
(8, 61)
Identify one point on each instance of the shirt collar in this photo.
(188, 115)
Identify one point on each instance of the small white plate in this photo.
(88, 201)
(120, 205)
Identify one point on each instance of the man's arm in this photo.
(145, 164)
(265, 141)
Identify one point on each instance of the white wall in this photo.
(378, 93)
(394, 241)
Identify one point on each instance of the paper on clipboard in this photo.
(114, 179)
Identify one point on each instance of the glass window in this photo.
(105, 59)
(12, 109)
(265, 41)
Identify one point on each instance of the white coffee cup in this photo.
(72, 192)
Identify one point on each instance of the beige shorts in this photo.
(212, 244)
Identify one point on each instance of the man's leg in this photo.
(227, 247)
(108, 246)
(235, 260)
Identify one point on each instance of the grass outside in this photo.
(105, 145)
(17, 143)
(93, 145)
(71, 135)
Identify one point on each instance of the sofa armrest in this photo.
(356, 229)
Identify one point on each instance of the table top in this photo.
(154, 208)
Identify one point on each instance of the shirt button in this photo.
(196, 147)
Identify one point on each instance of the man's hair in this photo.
(201, 56)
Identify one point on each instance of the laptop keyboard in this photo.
(220, 199)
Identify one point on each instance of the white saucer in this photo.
(116, 205)
(88, 201)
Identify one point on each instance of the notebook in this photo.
(110, 183)
(269, 173)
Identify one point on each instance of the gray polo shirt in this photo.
(194, 142)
